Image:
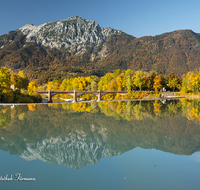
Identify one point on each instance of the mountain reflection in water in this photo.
(78, 134)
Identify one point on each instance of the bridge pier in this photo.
(99, 96)
(75, 96)
(49, 97)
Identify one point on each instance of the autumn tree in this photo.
(92, 82)
(32, 87)
(54, 85)
(157, 84)
(191, 82)
(5, 81)
(50, 86)
(112, 85)
(120, 79)
(13, 79)
(79, 83)
(64, 85)
(185, 84)
(103, 83)
(149, 79)
(196, 82)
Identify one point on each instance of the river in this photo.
(101, 145)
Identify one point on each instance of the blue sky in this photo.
(135, 17)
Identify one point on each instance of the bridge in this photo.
(75, 94)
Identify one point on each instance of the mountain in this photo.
(78, 47)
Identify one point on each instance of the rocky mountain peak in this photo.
(74, 33)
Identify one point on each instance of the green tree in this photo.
(94, 85)
(128, 76)
(22, 80)
(139, 79)
(173, 83)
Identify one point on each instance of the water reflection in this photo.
(75, 135)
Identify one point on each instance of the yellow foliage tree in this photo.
(32, 87)
(5, 81)
(157, 84)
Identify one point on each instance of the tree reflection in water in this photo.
(81, 133)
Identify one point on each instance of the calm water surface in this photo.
(120, 145)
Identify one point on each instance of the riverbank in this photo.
(16, 96)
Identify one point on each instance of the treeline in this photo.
(138, 83)
(16, 88)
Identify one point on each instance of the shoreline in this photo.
(87, 101)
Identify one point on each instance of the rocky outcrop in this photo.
(74, 33)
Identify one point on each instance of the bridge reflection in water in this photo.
(75, 94)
